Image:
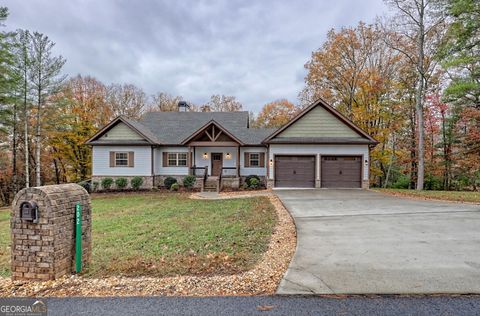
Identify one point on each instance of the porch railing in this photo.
(193, 171)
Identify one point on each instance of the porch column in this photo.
(238, 161)
(189, 160)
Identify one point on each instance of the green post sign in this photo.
(78, 238)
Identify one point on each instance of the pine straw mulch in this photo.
(263, 279)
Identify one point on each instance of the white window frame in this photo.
(117, 153)
(176, 158)
(257, 159)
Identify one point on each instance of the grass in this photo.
(170, 234)
(456, 196)
(4, 242)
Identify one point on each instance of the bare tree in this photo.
(165, 102)
(20, 69)
(418, 25)
(127, 100)
(222, 103)
(46, 80)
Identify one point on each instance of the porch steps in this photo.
(211, 185)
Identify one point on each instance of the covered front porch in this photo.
(214, 154)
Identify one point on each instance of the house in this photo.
(317, 148)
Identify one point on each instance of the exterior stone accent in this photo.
(232, 183)
(147, 181)
(270, 183)
(365, 184)
(46, 250)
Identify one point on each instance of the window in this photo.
(177, 159)
(254, 159)
(121, 159)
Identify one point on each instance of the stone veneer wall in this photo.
(46, 250)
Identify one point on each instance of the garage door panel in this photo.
(341, 172)
(295, 171)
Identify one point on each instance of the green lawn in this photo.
(4, 241)
(170, 234)
(457, 196)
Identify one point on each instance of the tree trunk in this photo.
(14, 145)
(38, 146)
(419, 99)
(25, 120)
(37, 132)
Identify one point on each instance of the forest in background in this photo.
(411, 80)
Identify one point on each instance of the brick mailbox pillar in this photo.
(43, 231)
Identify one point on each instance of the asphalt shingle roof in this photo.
(172, 128)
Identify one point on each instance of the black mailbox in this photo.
(29, 211)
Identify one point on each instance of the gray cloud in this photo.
(254, 50)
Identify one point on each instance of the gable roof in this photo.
(273, 138)
(149, 138)
(173, 128)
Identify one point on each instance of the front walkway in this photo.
(360, 242)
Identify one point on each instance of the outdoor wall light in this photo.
(205, 155)
(228, 156)
(271, 162)
(366, 161)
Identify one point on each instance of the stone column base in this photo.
(365, 184)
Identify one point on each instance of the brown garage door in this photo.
(295, 171)
(341, 172)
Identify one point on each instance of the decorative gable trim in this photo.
(212, 137)
(333, 111)
(114, 122)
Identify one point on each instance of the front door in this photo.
(217, 163)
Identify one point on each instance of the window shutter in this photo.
(246, 160)
(131, 159)
(164, 159)
(262, 159)
(189, 159)
(112, 159)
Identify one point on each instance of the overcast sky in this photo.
(254, 50)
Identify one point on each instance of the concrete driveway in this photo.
(357, 241)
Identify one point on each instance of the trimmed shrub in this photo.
(248, 180)
(136, 182)
(95, 186)
(121, 183)
(107, 183)
(174, 187)
(189, 181)
(254, 183)
(169, 181)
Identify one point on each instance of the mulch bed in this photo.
(263, 279)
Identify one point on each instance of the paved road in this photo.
(359, 242)
(274, 305)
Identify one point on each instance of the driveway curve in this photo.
(364, 242)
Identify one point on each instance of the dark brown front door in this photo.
(217, 163)
(341, 172)
(295, 171)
